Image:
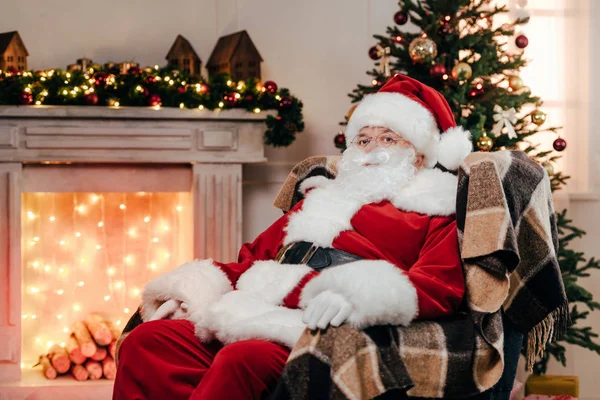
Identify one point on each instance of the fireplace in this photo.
(94, 202)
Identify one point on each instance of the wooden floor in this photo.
(33, 386)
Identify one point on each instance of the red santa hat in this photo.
(419, 114)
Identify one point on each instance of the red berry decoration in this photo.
(151, 79)
(134, 70)
(374, 54)
(340, 139)
(445, 29)
(473, 93)
(400, 18)
(438, 69)
(90, 99)
(154, 100)
(100, 78)
(521, 41)
(230, 99)
(270, 87)
(181, 89)
(559, 144)
(25, 98)
(285, 102)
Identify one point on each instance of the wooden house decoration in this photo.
(236, 55)
(183, 56)
(12, 51)
(82, 64)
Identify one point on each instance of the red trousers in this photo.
(164, 360)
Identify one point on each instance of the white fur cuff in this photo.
(271, 280)
(198, 283)
(380, 292)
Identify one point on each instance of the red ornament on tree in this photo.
(25, 98)
(154, 100)
(400, 18)
(374, 54)
(340, 139)
(559, 144)
(249, 97)
(473, 92)
(203, 88)
(12, 70)
(398, 39)
(90, 99)
(181, 89)
(285, 102)
(151, 79)
(438, 69)
(270, 87)
(521, 41)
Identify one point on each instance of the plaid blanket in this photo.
(508, 240)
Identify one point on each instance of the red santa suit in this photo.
(410, 265)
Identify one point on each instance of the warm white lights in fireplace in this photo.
(52, 218)
(100, 224)
(30, 215)
(81, 209)
(122, 206)
(146, 219)
(179, 208)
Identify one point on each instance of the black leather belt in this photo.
(316, 257)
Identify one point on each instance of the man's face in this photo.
(371, 137)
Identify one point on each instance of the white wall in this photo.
(318, 49)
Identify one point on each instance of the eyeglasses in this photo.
(384, 140)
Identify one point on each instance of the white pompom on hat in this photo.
(418, 113)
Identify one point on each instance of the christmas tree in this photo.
(474, 62)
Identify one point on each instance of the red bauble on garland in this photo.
(249, 97)
(181, 89)
(134, 70)
(438, 69)
(154, 100)
(285, 102)
(12, 70)
(559, 144)
(100, 78)
(340, 139)
(374, 53)
(90, 99)
(270, 87)
(521, 41)
(25, 98)
(150, 79)
(400, 18)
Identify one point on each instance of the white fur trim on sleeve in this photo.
(455, 145)
(380, 292)
(198, 283)
(314, 182)
(271, 280)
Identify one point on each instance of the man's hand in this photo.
(325, 309)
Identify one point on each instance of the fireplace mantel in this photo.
(130, 135)
(126, 149)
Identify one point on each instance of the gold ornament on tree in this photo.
(538, 117)
(548, 167)
(485, 143)
(462, 70)
(422, 49)
(515, 82)
(351, 110)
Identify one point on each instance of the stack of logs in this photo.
(89, 353)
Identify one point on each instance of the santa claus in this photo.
(376, 245)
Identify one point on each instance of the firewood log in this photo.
(100, 354)
(98, 329)
(94, 369)
(116, 332)
(112, 348)
(59, 359)
(47, 369)
(74, 351)
(109, 368)
(79, 373)
(86, 343)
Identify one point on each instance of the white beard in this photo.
(328, 210)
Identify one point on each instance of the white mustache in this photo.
(377, 156)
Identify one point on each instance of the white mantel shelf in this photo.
(41, 134)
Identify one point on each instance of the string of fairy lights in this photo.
(93, 252)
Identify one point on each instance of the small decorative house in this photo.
(183, 56)
(13, 53)
(236, 55)
(82, 64)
